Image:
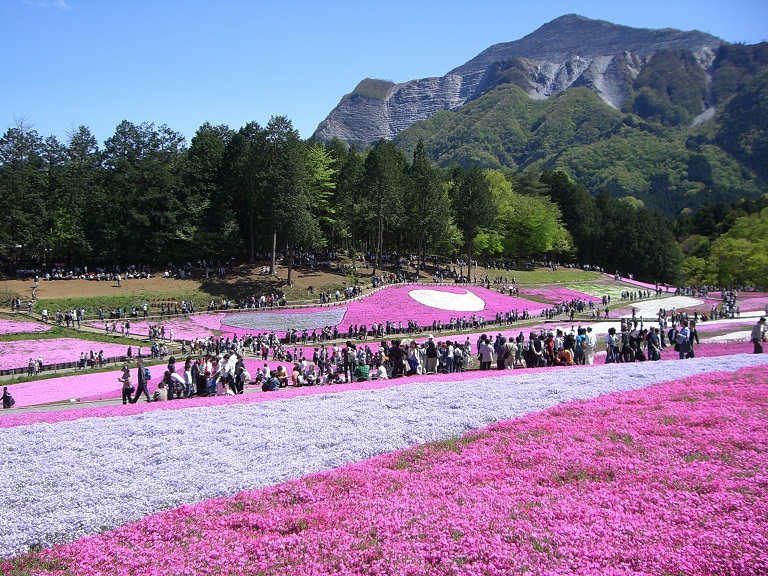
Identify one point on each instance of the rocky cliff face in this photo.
(569, 51)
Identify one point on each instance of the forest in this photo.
(147, 197)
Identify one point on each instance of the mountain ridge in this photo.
(568, 51)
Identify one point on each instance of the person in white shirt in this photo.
(589, 352)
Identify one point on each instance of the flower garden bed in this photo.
(16, 353)
(656, 479)
(394, 304)
(20, 326)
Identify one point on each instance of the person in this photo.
(431, 355)
(282, 376)
(127, 384)
(484, 353)
(565, 357)
(758, 335)
(362, 373)
(242, 377)
(141, 383)
(509, 354)
(534, 352)
(161, 393)
(589, 353)
(654, 344)
(381, 372)
(397, 359)
(580, 348)
(8, 400)
(611, 346)
(683, 342)
(271, 384)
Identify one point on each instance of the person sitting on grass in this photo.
(271, 384)
(161, 393)
(564, 357)
(362, 373)
(8, 400)
(282, 376)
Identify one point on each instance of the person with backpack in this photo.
(8, 400)
(141, 382)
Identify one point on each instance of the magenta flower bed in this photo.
(184, 328)
(16, 327)
(16, 353)
(103, 386)
(557, 295)
(670, 479)
(751, 302)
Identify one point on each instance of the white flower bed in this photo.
(284, 321)
(71, 479)
(467, 302)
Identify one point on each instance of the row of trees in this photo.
(147, 197)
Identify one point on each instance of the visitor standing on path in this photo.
(127, 384)
(141, 383)
(758, 335)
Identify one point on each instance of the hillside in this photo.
(675, 119)
(663, 148)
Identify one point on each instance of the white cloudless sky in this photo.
(66, 63)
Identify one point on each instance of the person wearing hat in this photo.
(758, 335)
(127, 384)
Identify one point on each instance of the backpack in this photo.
(147, 375)
(11, 400)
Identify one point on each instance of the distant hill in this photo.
(672, 118)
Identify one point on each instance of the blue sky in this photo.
(67, 63)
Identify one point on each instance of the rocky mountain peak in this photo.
(568, 51)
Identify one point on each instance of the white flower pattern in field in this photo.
(72, 479)
(467, 302)
(284, 321)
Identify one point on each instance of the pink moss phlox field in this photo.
(184, 327)
(670, 479)
(749, 302)
(83, 385)
(104, 386)
(16, 353)
(556, 295)
(20, 326)
(391, 304)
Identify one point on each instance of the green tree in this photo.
(288, 185)
(23, 178)
(144, 199)
(384, 184)
(211, 211)
(428, 205)
(473, 204)
(244, 178)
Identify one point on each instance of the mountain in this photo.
(673, 119)
(570, 51)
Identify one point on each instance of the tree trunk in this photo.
(289, 249)
(252, 250)
(274, 250)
